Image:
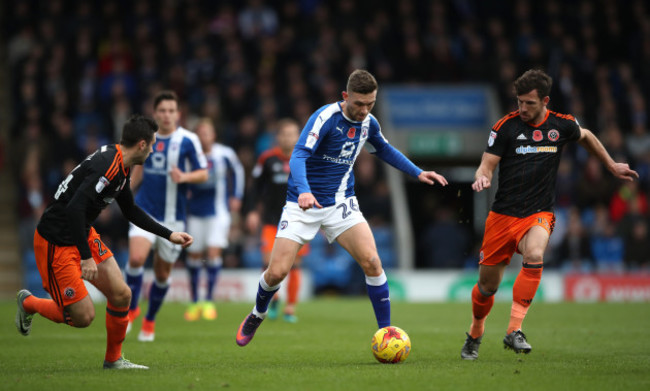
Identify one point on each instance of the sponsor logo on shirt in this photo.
(528, 149)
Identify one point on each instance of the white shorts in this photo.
(168, 251)
(301, 226)
(208, 232)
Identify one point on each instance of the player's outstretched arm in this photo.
(591, 143)
(196, 176)
(623, 171)
(483, 176)
(431, 177)
(182, 238)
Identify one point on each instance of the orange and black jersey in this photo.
(530, 157)
(270, 175)
(88, 189)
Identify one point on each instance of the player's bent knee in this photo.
(121, 297)
(488, 287)
(371, 265)
(273, 276)
(137, 260)
(83, 320)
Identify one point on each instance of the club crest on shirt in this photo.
(493, 136)
(364, 132)
(553, 135)
(69, 292)
(351, 132)
(537, 135)
(101, 184)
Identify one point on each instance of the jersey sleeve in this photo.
(195, 156)
(100, 171)
(498, 140)
(238, 173)
(572, 129)
(311, 136)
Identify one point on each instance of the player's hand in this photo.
(177, 175)
(88, 269)
(308, 201)
(623, 171)
(182, 238)
(481, 183)
(431, 177)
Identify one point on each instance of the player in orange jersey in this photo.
(68, 249)
(526, 145)
(271, 174)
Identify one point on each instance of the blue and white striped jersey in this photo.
(211, 198)
(158, 195)
(329, 145)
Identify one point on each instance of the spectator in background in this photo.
(593, 187)
(444, 243)
(629, 197)
(606, 244)
(637, 246)
(574, 252)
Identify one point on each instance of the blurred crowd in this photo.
(80, 68)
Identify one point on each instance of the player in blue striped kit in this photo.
(176, 161)
(321, 196)
(209, 218)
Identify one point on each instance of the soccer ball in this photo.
(391, 345)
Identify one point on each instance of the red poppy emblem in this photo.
(537, 135)
(351, 132)
(160, 146)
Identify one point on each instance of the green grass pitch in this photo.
(575, 347)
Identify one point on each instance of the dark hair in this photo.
(534, 79)
(164, 95)
(136, 128)
(362, 82)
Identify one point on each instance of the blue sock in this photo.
(213, 274)
(264, 295)
(134, 281)
(380, 298)
(156, 297)
(194, 271)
